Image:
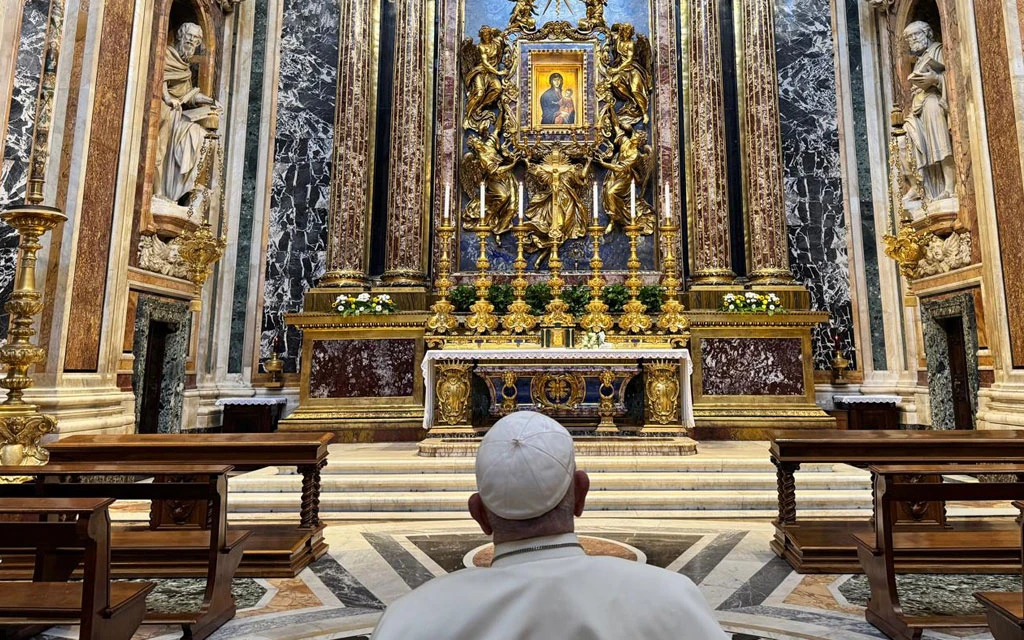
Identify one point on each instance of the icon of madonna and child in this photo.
(558, 103)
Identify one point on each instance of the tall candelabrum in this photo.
(21, 424)
(482, 319)
(672, 319)
(557, 310)
(443, 318)
(519, 318)
(596, 319)
(634, 317)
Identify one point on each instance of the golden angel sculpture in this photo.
(482, 78)
(522, 15)
(632, 162)
(629, 75)
(557, 212)
(595, 15)
(485, 163)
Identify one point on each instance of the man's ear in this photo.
(581, 485)
(479, 512)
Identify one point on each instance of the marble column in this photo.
(762, 148)
(710, 228)
(348, 221)
(405, 257)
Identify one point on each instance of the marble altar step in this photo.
(722, 480)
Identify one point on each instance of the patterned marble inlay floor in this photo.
(755, 594)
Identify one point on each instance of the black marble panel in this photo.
(812, 170)
(172, 384)
(936, 349)
(299, 193)
(253, 152)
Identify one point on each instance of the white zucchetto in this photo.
(524, 466)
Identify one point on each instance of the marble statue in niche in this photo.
(929, 168)
(183, 130)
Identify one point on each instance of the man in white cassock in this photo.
(541, 585)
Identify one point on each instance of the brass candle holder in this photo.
(443, 319)
(482, 319)
(519, 318)
(557, 309)
(596, 319)
(634, 313)
(672, 319)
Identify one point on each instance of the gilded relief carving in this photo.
(453, 393)
(662, 392)
(557, 390)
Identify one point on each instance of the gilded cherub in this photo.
(522, 15)
(632, 162)
(595, 15)
(629, 76)
(485, 163)
(482, 78)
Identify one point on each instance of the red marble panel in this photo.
(1006, 172)
(363, 368)
(752, 366)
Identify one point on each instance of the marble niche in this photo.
(178, 319)
(937, 353)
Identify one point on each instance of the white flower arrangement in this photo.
(364, 304)
(593, 340)
(751, 302)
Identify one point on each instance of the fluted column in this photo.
(710, 227)
(348, 225)
(405, 258)
(765, 197)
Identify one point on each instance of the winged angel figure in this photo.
(483, 79)
(633, 161)
(628, 75)
(485, 163)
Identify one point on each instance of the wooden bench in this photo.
(207, 482)
(823, 546)
(1005, 610)
(877, 550)
(275, 550)
(105, 611)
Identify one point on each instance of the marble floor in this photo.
(755, 595)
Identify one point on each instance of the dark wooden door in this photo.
(153, 377)
(963, 413)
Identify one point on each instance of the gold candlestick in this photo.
(672, 319)
(557, 310)
(634, 317)
(519, 318)
(482, 320)
(596, 318)
(443, 319)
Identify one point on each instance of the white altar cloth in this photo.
(469, 355)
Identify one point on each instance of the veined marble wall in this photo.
(18, 145)
(813, 173)
(299, 194)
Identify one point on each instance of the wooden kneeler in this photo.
(1005, 610)
(105, 611)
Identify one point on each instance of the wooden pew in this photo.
(823, 546)
(1005, 610)
(275, 550)
(105, 611)
(207, 482)
(877, 550)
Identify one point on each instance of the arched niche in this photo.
(908, 12)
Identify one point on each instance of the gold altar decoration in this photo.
(672, 319)
(443, 319)
(634, 317)
(907, 246)
(596, 319)
(21, 424)
(199, 250)
(519, 318)
(482, 320)
(557, 390)
(453, 389)
(606, 402)
(662, 394)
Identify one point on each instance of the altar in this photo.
(586, 389)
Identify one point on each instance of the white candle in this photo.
(632, 202)
(447, 201)
(668, 205)
(595, 202)
(521, 202)
(483, 194)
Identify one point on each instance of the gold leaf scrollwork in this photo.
(453, 392)
(662, 391)
(907, 248)
(557, 390)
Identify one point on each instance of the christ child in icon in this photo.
(566, 109)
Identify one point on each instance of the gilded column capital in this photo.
(710, 232)
(762, 147)
(352, 166)
(405, 256)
